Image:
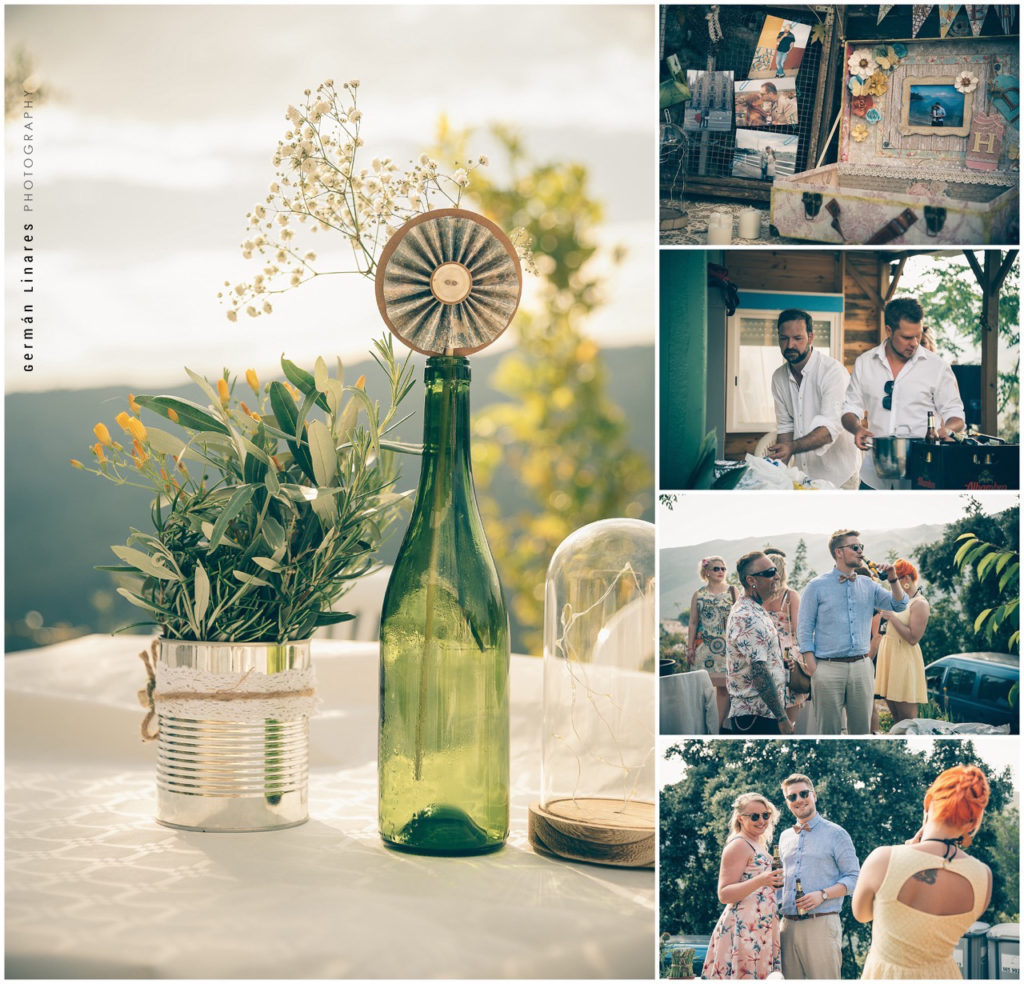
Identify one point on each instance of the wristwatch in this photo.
(824, 896)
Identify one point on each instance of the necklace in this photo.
(952, 843)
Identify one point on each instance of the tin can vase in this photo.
(233, 744)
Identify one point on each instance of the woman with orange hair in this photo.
(923, 895)
(899, 670)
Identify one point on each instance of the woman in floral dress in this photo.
(709, 611)
(745, 943)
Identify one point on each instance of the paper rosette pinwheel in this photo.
(448, 282)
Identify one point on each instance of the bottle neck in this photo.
(446, 440)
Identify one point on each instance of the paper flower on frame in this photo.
(862, 63)
(878, 84)
(966, 82)
(861, 104)
(900, 49)
(859, 133)
(886, 57)
(858, 86)
(872, 116)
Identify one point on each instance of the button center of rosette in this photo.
(451, 283)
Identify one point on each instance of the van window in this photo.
(933, 675)
(960, 683)
(995, 690)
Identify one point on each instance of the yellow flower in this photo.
(75, 463)
(361, 382)
(172, 414)
(122, 418)
(253, 380)
(138, 431)
(878, 84)
(97, 449)
(131, 403)
(100, 430)
(859, 133)
(222, 391)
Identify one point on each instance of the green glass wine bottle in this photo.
(443, 755)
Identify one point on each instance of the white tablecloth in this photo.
(96, 888)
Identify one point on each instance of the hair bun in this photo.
(959, 795)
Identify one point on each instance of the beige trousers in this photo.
(812, 949)
(838, 685)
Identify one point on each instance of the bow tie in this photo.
(848, 577)
(800, 827)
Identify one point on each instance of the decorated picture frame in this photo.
(933, 106)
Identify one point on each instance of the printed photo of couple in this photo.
(834, 860)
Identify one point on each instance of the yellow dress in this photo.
(907, 944)
(899, 669)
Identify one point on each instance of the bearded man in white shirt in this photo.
(808, 392)
(896, 384)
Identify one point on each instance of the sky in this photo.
(704, 516)
(998, 752)
(159, 139)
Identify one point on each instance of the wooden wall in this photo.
(862, 277)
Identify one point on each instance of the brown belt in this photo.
(811, 915)
(844, 659)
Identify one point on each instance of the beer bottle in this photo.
(931, 435)
(799, 889)
(776, 860)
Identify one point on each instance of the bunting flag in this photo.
(976, 15)
(985, 141)
(947, 12)
(1005, 11)
(883, 9)
(919, 16)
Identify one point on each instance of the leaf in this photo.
(202, 594)
(251, 579)
(137, 601)
(958, 558)
(322, 452)
(190, 415)
(985, 563)
(320, 374)
(267, 563)
(347, 419)
(238, 500)
(302, 381)
(981, 618)
(288, 421)
(273, 533)
(201, 382)
(333, 618)
(1008, 575)
(1004, 558)
(164, 443)
(145, 563)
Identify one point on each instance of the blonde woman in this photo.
(899, 669)
(745, 942)
(709, 612)
(784, 609)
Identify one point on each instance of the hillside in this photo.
(678, 572)
(61, 522)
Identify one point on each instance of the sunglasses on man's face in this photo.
(887, 399)
(803, 794)
(767, 572)
(758, 816)
(859, 547)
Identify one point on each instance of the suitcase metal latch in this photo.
(934, 218)
(812, 204)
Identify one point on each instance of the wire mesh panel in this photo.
(759, 96)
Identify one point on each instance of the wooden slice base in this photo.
(600, 831)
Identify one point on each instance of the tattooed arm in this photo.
(762, 681)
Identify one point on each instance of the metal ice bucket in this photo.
(225, 775)
(890, 456)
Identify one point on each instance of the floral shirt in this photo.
(751, 637)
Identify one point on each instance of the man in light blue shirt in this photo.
(834, 634)
(819, 856)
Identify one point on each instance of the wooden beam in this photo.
(973, 260)
(895, 280)
(1005, 269)
(872, 292)
(989, 340)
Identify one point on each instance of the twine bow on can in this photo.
(149, 696)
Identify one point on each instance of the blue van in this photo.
(978, 687)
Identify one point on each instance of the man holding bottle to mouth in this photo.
(808, 391)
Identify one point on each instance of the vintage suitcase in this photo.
(963, 466)
(903, 174)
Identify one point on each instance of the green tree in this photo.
(955, 302)
(802, 573)
(874, 789)
(1002, 566)
(559, 440)
(957, 595)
